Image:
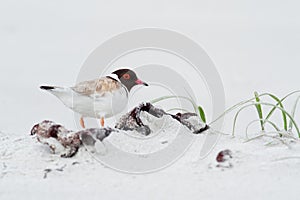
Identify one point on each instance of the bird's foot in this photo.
(82, 122)
(102, 121)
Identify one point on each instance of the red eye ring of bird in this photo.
(126, 76)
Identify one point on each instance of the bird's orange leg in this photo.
(102, 121)
(82, 122)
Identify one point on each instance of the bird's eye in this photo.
(126, 76)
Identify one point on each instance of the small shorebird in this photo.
(99, 98)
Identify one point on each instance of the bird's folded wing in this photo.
(97, 86)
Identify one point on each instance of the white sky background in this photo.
(254, 44)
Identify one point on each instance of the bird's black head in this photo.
(128, 78)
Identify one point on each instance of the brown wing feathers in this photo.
(96, 86)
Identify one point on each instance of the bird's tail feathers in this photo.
(52, 88)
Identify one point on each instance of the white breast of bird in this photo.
(104, 105)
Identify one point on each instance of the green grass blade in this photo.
(274, 126)
(238, 105)
(174, 97)
(293, 112)
(271, 123)
(259, 111)
(179, 109)
(267, 104)
(202, 114)
(231, 109)
(248, 101)
(279, 103)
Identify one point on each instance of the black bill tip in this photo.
(47, 87)
(145, 84)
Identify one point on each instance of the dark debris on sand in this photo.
(67, 142)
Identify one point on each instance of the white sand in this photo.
(258, 171)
